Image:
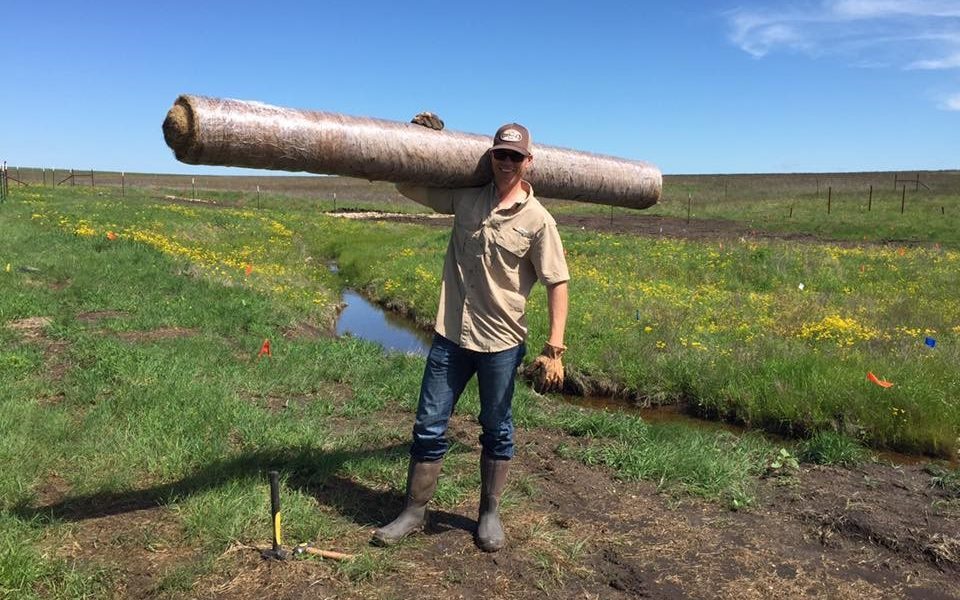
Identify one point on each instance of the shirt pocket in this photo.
(515, 242)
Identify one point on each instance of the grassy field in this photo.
(131, 375)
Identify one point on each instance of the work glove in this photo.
(547, 369)
(428, 119)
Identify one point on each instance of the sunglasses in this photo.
(508, 155)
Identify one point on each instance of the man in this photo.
(503, 241)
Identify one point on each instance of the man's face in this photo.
(508, 167)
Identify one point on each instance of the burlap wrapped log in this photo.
(238, 133)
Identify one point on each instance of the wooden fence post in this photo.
(903, 199)
(870, 199)
(829, 197)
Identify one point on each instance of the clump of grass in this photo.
(368, 566)
(943, 478)
(713, 464)
(832, 448)
(601, 424)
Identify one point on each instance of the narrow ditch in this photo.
(364, 319)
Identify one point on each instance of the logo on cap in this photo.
(511, 135)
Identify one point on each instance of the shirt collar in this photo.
(525, 186)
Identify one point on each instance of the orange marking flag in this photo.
(265, 349)
(880, 382)
(111, 236)
(248, 270)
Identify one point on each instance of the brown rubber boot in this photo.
(421, 484)
(493, 478)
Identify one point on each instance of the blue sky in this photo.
(693, 87)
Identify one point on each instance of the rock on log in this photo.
(239, 133)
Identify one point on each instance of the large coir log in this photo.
(238, 133)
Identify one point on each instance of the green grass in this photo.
(162, 401)
(831, 448)
(712, 464)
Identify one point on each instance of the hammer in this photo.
(276, 552)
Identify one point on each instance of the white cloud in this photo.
(947, 62)
(951, 102)
(906, 34)
(886, 8)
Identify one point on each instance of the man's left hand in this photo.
(547, 369)
(429, 120)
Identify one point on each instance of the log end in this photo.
(178, 130)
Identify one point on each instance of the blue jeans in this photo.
(449, 368)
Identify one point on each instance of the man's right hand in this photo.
(428, 119)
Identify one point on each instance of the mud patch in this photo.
(334, 394)
(140, 548)
(30, 328)
(53, 490)
(309, 331)
(95, 316)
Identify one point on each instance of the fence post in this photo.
(193, 188)
(829, 197)
(689, 202)
(258, 197)
(870, 199)
(123, 183)
(53, 178)
(903, 199)
(91, 178)
(73, 180)
(917, 186)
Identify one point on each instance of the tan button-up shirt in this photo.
(493, 259)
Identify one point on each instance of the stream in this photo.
(365, 320)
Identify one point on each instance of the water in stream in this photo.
(363, 319)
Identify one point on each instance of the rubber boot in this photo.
(421, 484)
(493, 478)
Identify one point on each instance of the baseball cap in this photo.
(512, 136)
